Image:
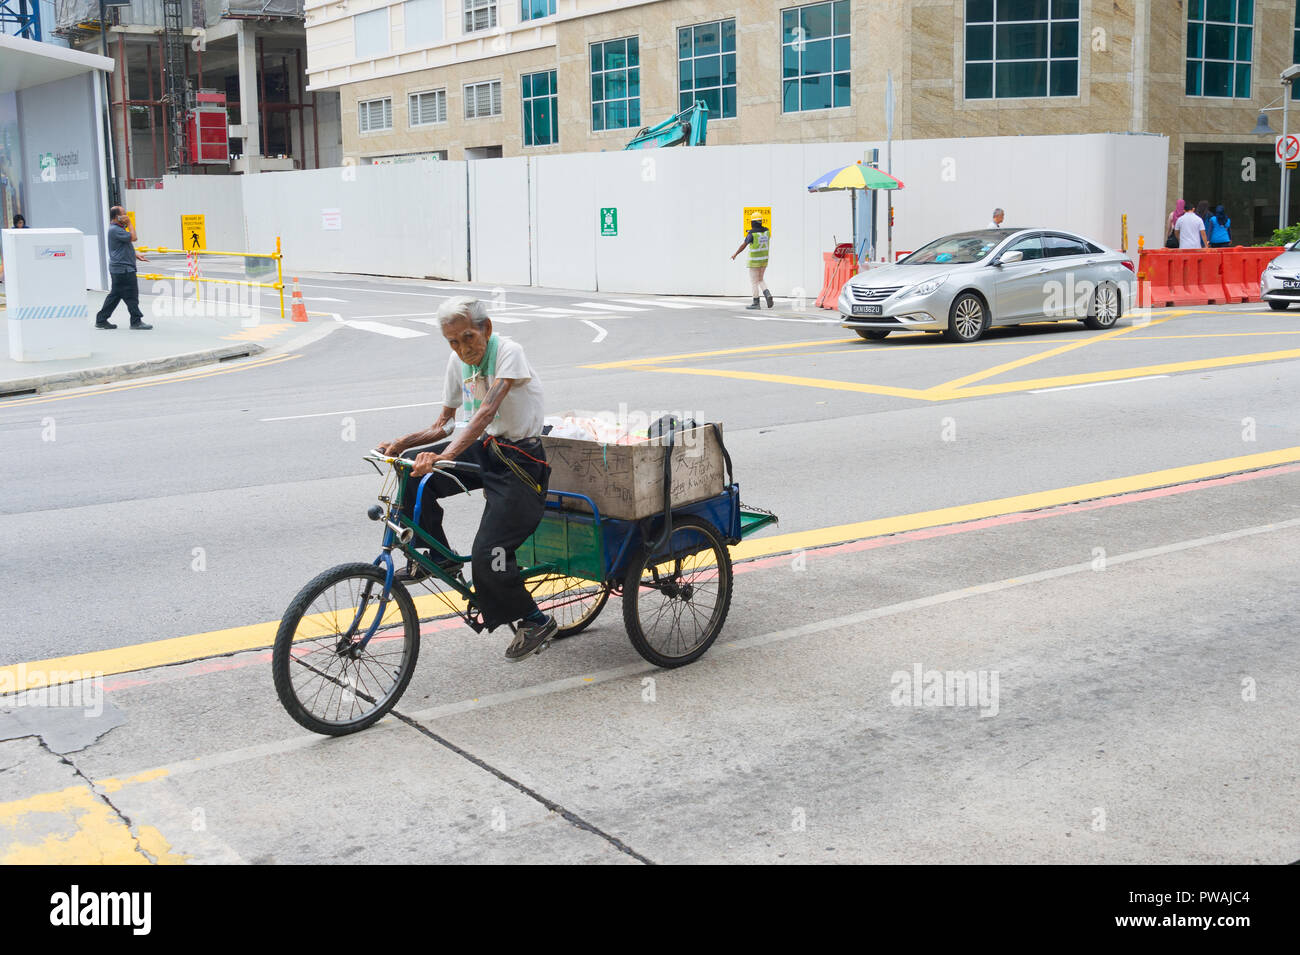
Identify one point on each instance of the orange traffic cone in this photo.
(299, 312)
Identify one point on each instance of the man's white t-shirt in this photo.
(521, 414)
(993, 225)
(1189, 226)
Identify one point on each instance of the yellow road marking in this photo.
(957, 383)
(1117, 374)
(252, 363)
(1157, 338)
(74, 826)
(765, 546)
(258, 333)
(633, 362)
(261, 635)
(806, 382)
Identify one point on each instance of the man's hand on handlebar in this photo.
(424, 462)
(391, 448)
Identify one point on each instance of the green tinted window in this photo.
(1021, 48)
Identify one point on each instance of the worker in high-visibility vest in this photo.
(758, 239)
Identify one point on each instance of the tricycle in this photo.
(348, 643)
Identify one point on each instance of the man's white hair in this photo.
(462, 307)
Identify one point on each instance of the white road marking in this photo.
(711, 302)
(496, 319)
(666, 303)
(756, 317)
(392, 331)
(582, 681)
(1095, 384)
(603, 332)
(323, 298)
(606, 305)
(556, 311)
(335, 414)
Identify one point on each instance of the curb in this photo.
(135, 369)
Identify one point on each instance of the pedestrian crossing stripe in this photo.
(608, 307)
(392, 331)
(51, 311)
(663, 304)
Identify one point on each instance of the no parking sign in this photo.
(1292, 148)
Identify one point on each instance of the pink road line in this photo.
(243, 659)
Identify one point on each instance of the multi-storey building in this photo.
(485, 78)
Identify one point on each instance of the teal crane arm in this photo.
(687, 128)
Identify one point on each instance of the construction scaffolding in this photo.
(21, 18)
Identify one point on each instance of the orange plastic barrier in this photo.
(1201, 276)
(1253, 266)
(838, 270)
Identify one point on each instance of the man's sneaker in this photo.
(142, 326)
(105, 325)
(531, 638)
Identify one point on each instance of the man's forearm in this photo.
(436, 432)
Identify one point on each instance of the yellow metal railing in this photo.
(278, 284)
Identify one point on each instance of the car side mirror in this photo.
(1010, 258)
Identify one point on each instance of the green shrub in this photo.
(1284, 236)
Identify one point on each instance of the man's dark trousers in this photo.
(125, 289)
(511, 513)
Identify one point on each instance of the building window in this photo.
(370, 34)
(616, 84)
(815, 57)
(536, 9)
(374, 115)
(422, 21)
(541, 127)
(706, 67)
(1219, 38)
(480, 15)
(427, 108)
(1018, 48)
(482, 99)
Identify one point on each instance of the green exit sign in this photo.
(609, 221)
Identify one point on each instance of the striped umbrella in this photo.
(854, 176)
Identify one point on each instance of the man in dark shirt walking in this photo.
(122, 257)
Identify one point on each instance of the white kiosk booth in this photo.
(52, 171)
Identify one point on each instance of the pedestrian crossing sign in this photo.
(193, 234)
(757, 212)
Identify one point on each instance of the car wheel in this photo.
(968, 319)
(1278, 306)
(1105, 308)
(872, 334)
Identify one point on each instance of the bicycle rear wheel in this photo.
(325, 680)
(675, 603)
(573, 602)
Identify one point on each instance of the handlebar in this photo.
(445, 465)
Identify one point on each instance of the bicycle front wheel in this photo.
(325, 679)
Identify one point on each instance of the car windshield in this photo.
(960, 249)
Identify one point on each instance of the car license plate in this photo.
(1291, 285)
(875, 309)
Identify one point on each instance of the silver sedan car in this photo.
(963, 284)
(1279, 285)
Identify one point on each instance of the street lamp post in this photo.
(1286, 170)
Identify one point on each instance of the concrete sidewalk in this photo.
(177, 341)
